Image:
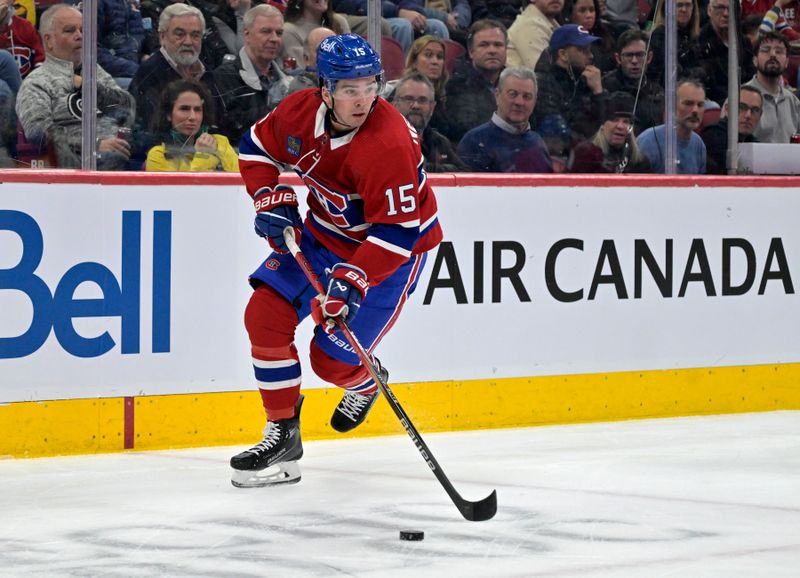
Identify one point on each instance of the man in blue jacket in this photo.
(506, 144)
(119, 38)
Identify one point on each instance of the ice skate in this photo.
(272, 461)
(354, 407)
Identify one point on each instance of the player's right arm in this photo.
(276, 205)
(259, 161)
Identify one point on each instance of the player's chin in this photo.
(358, 119)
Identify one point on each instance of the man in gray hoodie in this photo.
(49, 103)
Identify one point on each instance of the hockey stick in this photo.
(478, 511)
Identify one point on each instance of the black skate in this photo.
(354, 407)
(279, 451)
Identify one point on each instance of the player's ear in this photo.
(326, 96)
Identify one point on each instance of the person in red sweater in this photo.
(783, 17)
(20, 38)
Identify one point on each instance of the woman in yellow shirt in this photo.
(184, 109)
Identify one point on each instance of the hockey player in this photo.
(371, 219)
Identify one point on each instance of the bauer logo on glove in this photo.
(277, 209)
(347, 288)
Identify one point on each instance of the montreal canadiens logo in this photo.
(272, 264)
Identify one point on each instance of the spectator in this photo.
(357, 21)
(20, 39)
(614, 148)
(253, 84)
(622, 14)
(184, 115)
(687, 16)
(573, 87)
(711, 52)
(503, 11)
(308, 78)
(631, 76)
(586, 13)
(783, 17)
(781, 108)
(691, 150)
(531, 31)
(427, 56)
(213, 49)
(302, 16)
(414, 98)
(227, 20)
(49, 100)
(471, 90)
(10, 81)
(715, 136)
(119, 38)
(456, 15)
(506, 144)
(406, 18)
(750, 30)
(180, 29)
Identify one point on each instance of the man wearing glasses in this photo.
(715, 136)
(781, 116)
(180, 29)
(631, 76)
(414, 98)
(712, 52)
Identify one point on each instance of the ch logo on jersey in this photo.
(23, 56)
(293, 145)
(335, 204)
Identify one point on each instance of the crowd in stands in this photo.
(525, 86)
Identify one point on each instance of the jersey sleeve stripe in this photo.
(428, 224)
(395, 235)
(251, 149)
(409, 224)
(331, 228)
(388, 246)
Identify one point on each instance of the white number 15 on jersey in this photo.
(406, 203)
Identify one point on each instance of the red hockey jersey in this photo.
(20, 38)
(369, 199)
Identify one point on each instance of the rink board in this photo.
(567, 299)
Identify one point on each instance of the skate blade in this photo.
(283, 473)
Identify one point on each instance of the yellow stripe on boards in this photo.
(62, 427)
(36, 429)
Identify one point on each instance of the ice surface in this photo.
(704, 496)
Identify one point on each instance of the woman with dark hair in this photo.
(687, 15)
(184, 114)
(301, 17)
(587, 13)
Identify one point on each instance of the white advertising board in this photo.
(530, 281)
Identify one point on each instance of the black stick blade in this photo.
(480, 511)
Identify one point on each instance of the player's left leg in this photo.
(334, 360)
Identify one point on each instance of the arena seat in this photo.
(393, 58)
(453, 50)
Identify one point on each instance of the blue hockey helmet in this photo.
(346, 56)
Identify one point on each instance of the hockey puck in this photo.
(412, 535)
